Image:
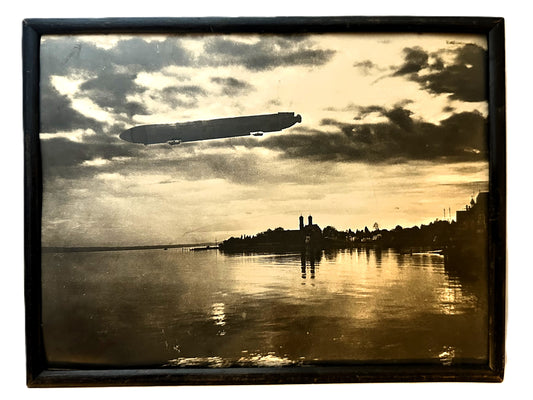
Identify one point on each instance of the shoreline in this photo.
(81, 249)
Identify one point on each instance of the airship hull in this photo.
(210, 129)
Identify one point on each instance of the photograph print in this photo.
(253, 200)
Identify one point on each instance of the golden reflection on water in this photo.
(259, 309)
(219, 317)
(447, 355)
(453, 300)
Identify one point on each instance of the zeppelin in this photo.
(177, 133)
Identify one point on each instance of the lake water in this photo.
(188, 308)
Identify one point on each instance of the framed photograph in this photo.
(264, 200)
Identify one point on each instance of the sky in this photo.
(393, 131)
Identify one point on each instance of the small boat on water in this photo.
(437, 253)
(203, 248)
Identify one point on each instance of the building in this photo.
(474, 217)
(304, 238)
(312, 234)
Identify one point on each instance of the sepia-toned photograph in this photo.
(259, 200)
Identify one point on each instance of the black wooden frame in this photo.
(38, 375)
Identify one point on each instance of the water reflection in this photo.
(265, 309)
(219, 317)
(378, 255)
(311, 257)
(447, 355)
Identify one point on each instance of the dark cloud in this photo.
(315, 146)
(65, 158)
(65, 56)
(473, 187)
(465, 78)
(193, 161)
(367, 66)
(186, 90)
(415, 59)
(232, 86)
(401, 118)
(461, 137)
(151, 55)
(109, 90)
(267, 53)
(180, 96)
(448, 109)
(108, 74)
(363, 111)
(437, 63)
(57, 114)
(108, 78)
(222, 166)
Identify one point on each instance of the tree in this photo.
(331, 232)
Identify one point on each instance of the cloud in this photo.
(465, 80)
(464, 77)
(461, 137)
(472, 187)
(66, 55)
(232, 86)
(267, 53)
(184, 96)
(448, 109)
(58, 115)
(415, 59)
(62, 156)
(64, 159)
(367, 67)
(109, 90)
(107, 76)
(186, 90)
(151, 55)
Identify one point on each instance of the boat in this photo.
(203, 248)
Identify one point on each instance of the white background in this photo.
(519, 90)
